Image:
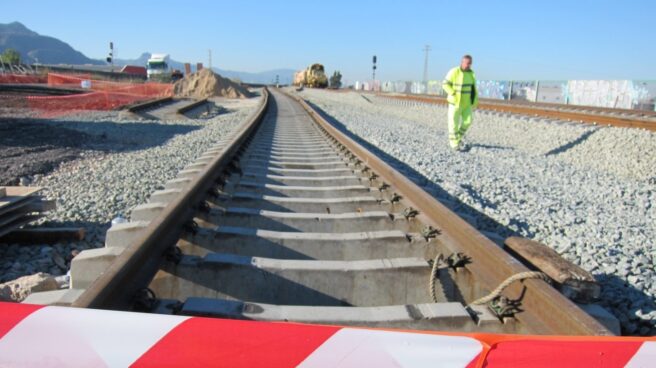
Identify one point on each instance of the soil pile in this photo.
(206, 83)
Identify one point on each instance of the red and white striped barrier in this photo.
(37, 336)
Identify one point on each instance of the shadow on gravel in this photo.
(31, 146)
(566, 147)
(619, 297)
(489, 146)
(480, 199)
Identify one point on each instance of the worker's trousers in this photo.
(460, 119)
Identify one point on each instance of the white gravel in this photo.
(589, 192)
(139, 156)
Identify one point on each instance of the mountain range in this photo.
(36, 48)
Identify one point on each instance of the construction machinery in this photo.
(314, 76)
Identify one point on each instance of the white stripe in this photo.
(374, 348)
(645, 356)
(75, 337)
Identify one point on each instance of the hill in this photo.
(34, 47)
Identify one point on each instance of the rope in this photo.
(433, 275)
(516, 277)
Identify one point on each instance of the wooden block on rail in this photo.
(3, 192)
(575, 282)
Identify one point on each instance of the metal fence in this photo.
(624, 94)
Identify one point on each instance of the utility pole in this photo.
(427, 49)
(210, 58)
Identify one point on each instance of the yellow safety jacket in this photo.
(460, 87)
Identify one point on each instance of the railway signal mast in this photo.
(373, 77)
(110, 58)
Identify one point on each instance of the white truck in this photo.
(158, 66)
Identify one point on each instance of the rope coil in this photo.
(433, 275)
(521, 276)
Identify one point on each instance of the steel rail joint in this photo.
(545, 310)
(139, 262)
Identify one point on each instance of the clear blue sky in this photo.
(548, 39)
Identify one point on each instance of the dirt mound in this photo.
(206, 83)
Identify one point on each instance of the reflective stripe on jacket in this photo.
(460, 87)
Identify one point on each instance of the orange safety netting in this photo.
(103, 95)
(22, 78)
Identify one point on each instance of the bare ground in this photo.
(29, 147)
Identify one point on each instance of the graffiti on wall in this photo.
(624, 94)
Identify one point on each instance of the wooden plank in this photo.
(11, 217)
(17, 205)
(16, 194)
(575, 282)
(26, 209)
(42, 205)
(3, 192)
(18, 223)
(22, 191)
(44, 235)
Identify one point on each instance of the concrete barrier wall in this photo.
(625, 94)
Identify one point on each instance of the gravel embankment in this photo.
(589, 192)
(129, 160)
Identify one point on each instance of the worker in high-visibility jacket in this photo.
(460, 87)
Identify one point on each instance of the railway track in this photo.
(580, 114)
(291, 220)
(165, 107)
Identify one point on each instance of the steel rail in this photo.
(533, 110)
(544, 309)
(583, 108)
(138, 263)
(191, 106)
(149, 104)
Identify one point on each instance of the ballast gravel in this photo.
(587, 191)
(130, 159)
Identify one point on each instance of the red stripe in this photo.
(205, 342)
(562, 354)
(13, 313)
